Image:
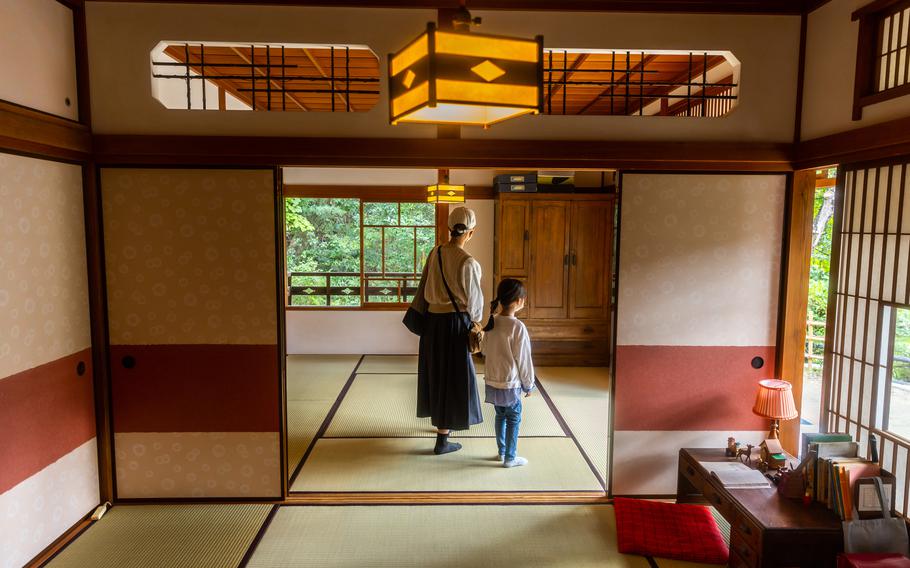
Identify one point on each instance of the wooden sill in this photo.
(368, 308)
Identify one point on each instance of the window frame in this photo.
(881, 402)
(364, 194)
(871, 19)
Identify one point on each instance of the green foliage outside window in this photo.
(323, 236)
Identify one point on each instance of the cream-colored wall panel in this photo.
(37, 511)
(700, 259)
(197, 464)
(121, 36)
(43, 281)
(38, 69)
(190, 256)
(830, 71)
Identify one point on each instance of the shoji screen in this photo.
(698, 292)
(48, 453)
(869, 270)
(191, 277)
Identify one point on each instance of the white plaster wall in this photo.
(646, 462)
(340, 332)
(830, 71)
(38, 69)
(121, 35)
(37, 511)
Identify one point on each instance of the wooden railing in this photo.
(391, 287)
(814, 359)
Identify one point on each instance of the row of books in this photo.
(834, 471)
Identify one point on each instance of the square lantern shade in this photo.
(448, 77)
(445, 193)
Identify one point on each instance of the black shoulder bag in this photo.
(415, 318)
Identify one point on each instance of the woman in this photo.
(446, 382)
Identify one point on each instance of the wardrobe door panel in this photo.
(513, 237)
(193, 316)
(549, 259)
(589, 263)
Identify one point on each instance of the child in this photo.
(509, 370)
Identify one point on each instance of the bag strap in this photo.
(880, 490)
(444, 283)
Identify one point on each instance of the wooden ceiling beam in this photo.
(713, 62)
(566, 76)
(325, 75)
(638, 66)
(790, 7)
(290, 96)
(211, 73)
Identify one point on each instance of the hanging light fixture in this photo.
(443, 193)
(458, 77)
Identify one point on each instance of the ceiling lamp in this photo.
(458, 77)
(443, 193)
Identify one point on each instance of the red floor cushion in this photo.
(668, 530)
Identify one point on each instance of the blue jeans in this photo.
(507, 420)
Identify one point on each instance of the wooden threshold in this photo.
(62, 541)
(453, 498)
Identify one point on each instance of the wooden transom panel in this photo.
(275, 77)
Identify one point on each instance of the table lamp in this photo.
(775, 401)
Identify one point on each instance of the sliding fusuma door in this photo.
(192, 300)
(699, 280)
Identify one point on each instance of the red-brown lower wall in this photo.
(196, 388)
(664, 387)
(45, 413)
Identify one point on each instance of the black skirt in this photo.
(446, 381)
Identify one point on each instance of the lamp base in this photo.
(774, 431)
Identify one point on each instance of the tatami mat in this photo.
(385, 406)
(318, 377)
(304, 419)
(313, 385)
(452, 536)
(398, 364)
(176, 536)
(408, 464)
(582, 396)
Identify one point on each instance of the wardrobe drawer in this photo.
(557, 330)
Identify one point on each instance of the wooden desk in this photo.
(766, 529)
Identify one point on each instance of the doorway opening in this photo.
(356, 241)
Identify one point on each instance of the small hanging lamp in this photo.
(443, 193)
(458, 77)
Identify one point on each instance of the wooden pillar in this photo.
(795, 294)
(442, 211)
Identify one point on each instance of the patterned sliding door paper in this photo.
(870, 260)
(191, 276)
(698, 296)
(48, 456)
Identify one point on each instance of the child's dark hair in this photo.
(458, 230)
(508, 292)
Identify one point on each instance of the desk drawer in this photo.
(747, 531)
(688, 470)
(740, 549)
(719, 501)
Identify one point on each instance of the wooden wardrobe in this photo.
(560, 246)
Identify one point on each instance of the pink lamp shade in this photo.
(775, 400)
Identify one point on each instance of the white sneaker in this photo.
(501, 458)
(517, 462)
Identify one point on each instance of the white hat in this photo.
(462, 216)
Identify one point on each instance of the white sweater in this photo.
(463, 276)
(507, 355)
